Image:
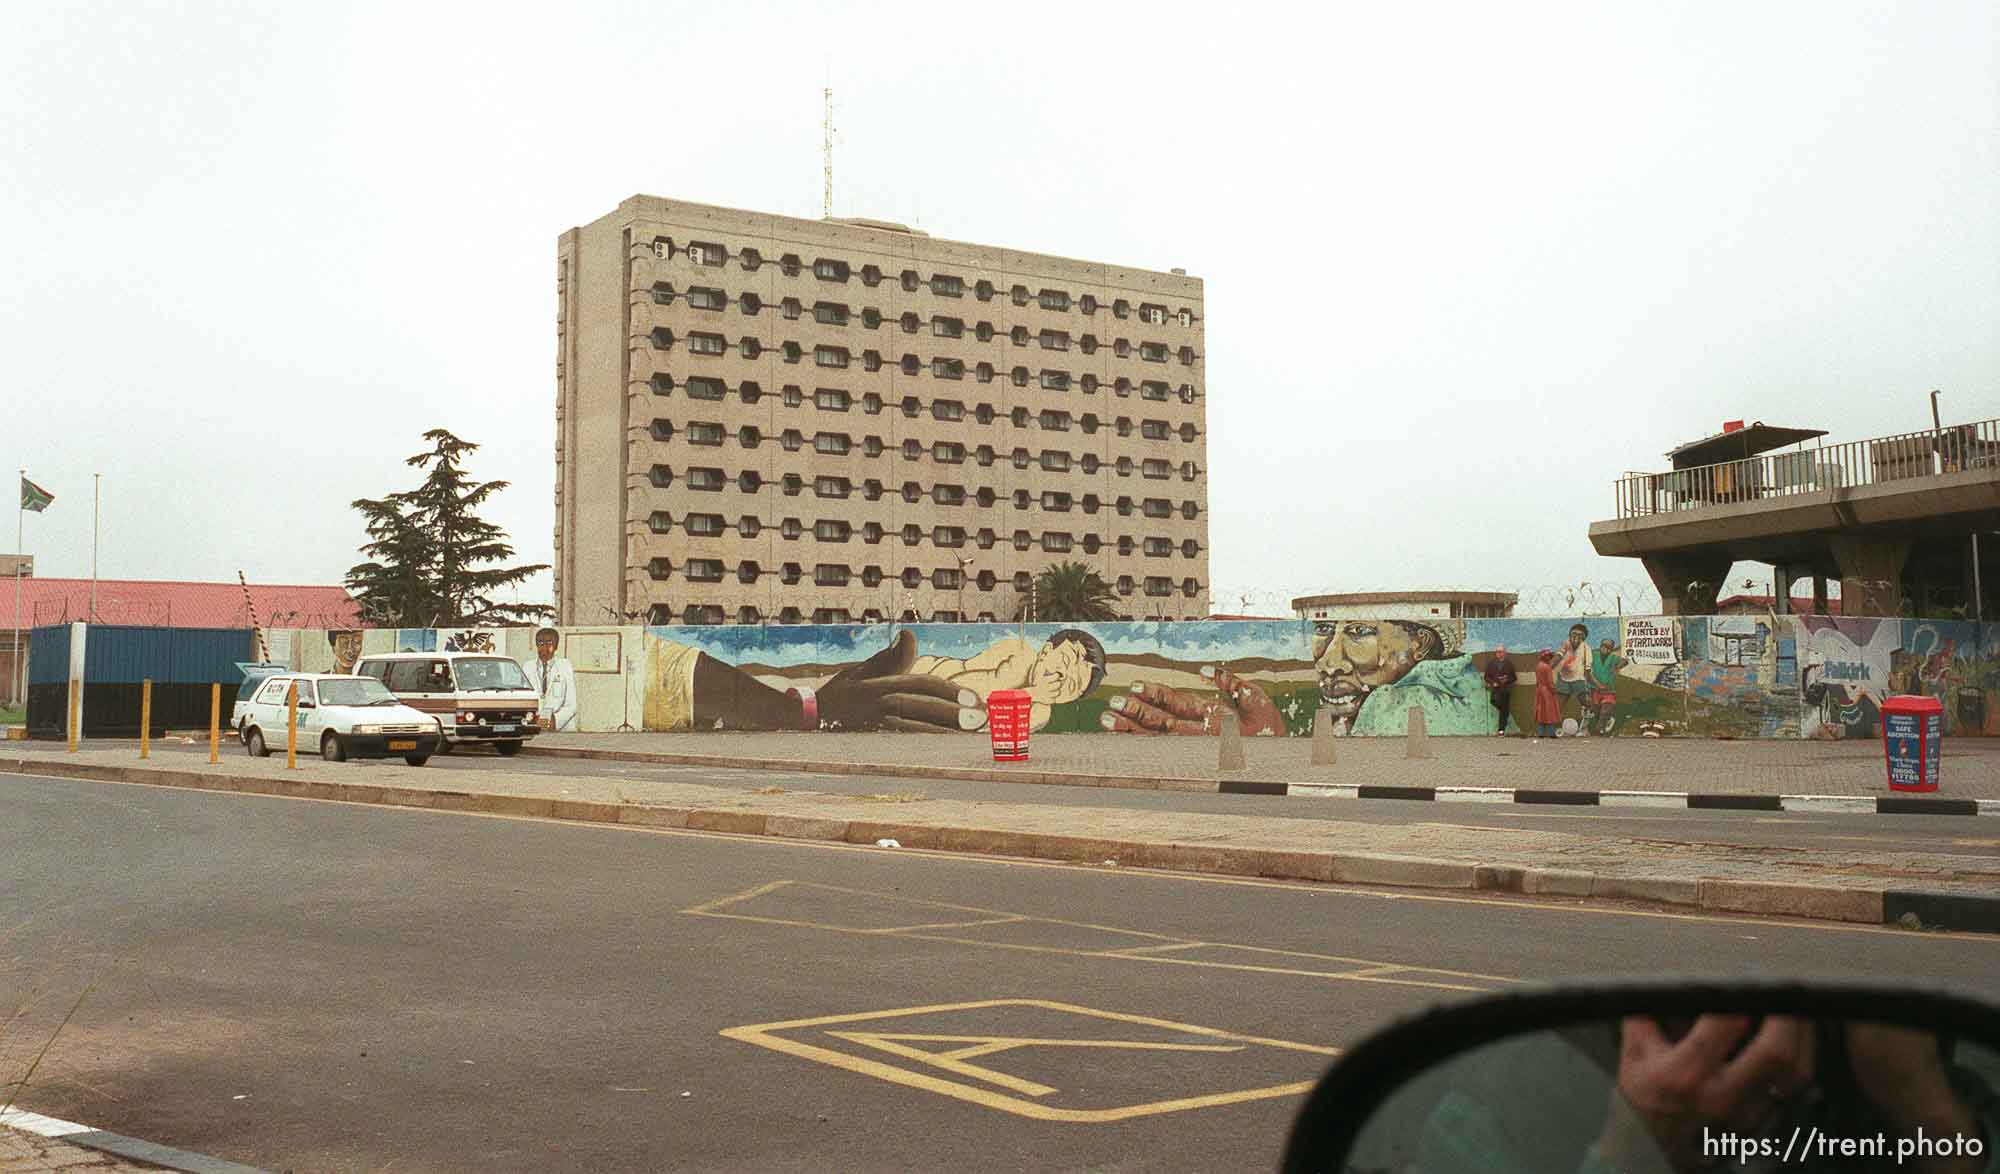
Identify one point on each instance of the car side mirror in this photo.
(1666, 1079)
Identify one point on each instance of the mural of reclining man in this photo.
(894, 689)
(1068, 666)
(1372, 671)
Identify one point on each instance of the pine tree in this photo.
(1072, 592)
(429, 550)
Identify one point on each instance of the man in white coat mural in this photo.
(555, 680)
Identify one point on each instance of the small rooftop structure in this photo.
(1739, 443)
(1404, 605)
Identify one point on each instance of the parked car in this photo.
(254, 676)
(340, 717)
(478, 697)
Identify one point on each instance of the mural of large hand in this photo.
(1159, 709)
(881, 693)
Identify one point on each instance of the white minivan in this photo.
(480, 698)
(339, 716)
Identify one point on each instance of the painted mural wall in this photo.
(1746, 676)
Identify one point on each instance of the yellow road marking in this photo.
(766, 1035)
(1368, 970)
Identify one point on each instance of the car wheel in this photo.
(330, 748)
(416, 759)
(506, 749)
(254, 743)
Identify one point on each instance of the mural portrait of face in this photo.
(346, 644)
(1069, 666)
(1357, 657)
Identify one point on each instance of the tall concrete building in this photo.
(762, 418)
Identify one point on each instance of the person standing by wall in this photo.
(555, 680)
(1500, 678)
(1548, 706)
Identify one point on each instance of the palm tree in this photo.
(1071, 592)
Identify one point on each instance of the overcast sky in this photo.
(1465, 263)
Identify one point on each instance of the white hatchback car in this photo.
(341, 717)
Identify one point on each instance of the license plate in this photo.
(404, 744)
(505, 729)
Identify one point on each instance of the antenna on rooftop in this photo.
(826, 147)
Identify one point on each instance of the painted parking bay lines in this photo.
(835, 909)
(1228, 1067)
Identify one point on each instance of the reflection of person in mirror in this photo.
(1065, 667)
(1681, 1093)
(554, 680)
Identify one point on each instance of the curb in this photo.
(1868, 906)
(165, 1157)
(1677, 800)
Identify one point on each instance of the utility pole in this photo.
(96, 491)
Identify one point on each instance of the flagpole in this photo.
(96, 484)
(20, 518)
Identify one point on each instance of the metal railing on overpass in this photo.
(1806, 471)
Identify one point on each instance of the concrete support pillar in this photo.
(1418, 742)
(1229, 747)
(1322, 739)
(1688, 583)
(1819, 595)
(1781, 589)
(1871, 572)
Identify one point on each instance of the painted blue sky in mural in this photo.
(785, 645)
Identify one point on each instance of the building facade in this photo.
(1407, 605)
(762, 418)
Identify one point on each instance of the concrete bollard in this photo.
(1322, 748)
(1419, 741)
(1229, 749)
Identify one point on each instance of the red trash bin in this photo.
(1913, 742)
(1007, 721)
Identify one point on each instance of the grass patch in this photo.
(897, 797)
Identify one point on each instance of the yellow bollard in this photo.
(145, 718)
(292, 727)
(215, 722)
(74, 690)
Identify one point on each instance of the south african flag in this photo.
(34, 497)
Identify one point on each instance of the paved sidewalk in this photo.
(1971, 768)
(1855, 885)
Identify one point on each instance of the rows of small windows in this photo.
(711, 479)
(715, 613)
(706, 342)
(715, 300)
(833, 399)
(715, 434)
(941, 453)
(713, 570)
(711, 254)
(947, 537)
(830, 486)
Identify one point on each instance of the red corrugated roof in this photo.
(165, 603)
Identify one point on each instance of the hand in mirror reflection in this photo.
(1729, 1073)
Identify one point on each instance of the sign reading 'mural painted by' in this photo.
(1650, 641)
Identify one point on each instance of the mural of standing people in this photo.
(553, 678)
(1372, 671)
(1573, 661)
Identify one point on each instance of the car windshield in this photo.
(355, 691)
(490, 675)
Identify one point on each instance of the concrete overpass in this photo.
(1909, 524)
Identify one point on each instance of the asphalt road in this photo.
(316, 986)
(1965, 835)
